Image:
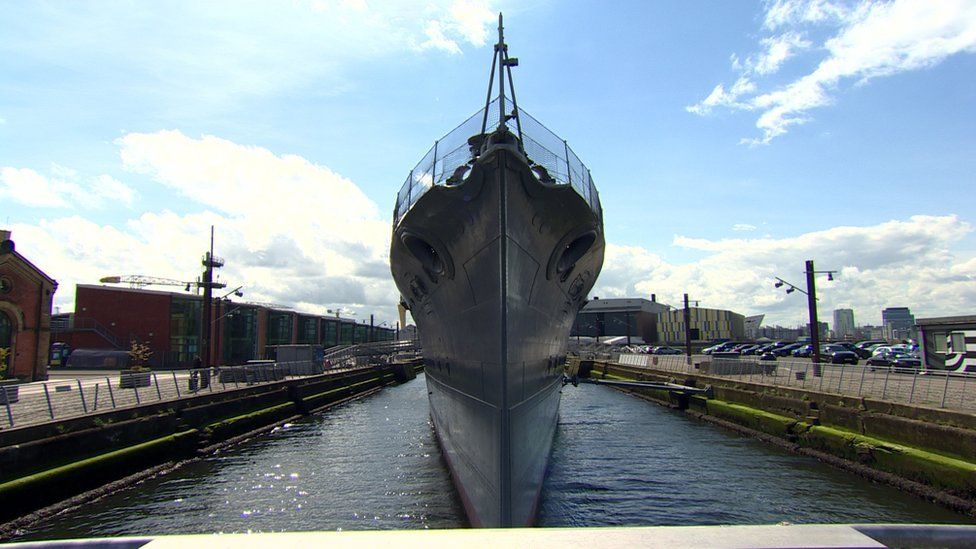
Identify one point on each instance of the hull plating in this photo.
(494, 271)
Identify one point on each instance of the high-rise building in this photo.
(844, 323)
(899, 322)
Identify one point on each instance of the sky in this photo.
(730, 141)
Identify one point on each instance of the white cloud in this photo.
(896, 263)
(869, 40)
(743, 227)
(437, 40)
(721, 98)
(777, 50)
(63, 189)
(472, 19)
(290, 231)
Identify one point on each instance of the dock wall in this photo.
(42, 465)
(927, 451)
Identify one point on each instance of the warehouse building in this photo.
(170, 323)
(633, 318)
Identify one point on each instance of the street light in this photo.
(811, 293)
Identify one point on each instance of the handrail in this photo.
(446, 162)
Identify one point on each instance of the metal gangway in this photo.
(371, 351)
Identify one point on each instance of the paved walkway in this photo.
(78, 393)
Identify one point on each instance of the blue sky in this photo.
(729, 141)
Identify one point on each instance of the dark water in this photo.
(374, 464)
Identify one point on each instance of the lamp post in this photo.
(687, 317)
(811, 293)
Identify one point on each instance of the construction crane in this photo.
(138, 281)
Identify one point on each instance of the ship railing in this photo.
(448, 159)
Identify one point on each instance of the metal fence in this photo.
(443, 163)
(940, 389)
(39, 402)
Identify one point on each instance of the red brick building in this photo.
(26, 295)
(109, 317)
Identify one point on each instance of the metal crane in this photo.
(138, 281)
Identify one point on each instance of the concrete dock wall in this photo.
(928, 451)
(44, 464)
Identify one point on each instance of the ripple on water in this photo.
(374, 464)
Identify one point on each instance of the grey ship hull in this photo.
(494, 270)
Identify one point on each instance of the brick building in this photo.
(170, 323)
(26, 295)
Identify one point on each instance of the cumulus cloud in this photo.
(896, 263)
(866, 40)
(64, 188)
(291, 232)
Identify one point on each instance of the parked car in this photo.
(786, 350)
(750, 350)
(868, 343)
(803, 352)
(887, 360)
(908, 363)
(843, 357)
(768, 355)
(666, 351)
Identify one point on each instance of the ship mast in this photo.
(505, 63)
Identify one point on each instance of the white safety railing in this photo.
(39, 402)
(936, 388)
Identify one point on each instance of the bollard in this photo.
(111, 393)
(81, 394)
(47, 395)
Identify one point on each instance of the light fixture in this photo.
(830, 276)
(790, 290)
(779, 284)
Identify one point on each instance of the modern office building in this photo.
(753, 326)
(899, 323)
(705, 325)
(844, 323)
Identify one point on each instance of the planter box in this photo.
(130, 380)
(9, 391)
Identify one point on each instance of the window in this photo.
(957, 342)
